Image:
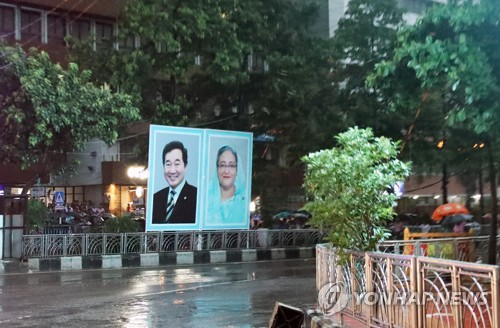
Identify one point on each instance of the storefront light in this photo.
(138, 172)
(252, 206)
(139, 192)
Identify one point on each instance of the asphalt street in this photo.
(223, 295)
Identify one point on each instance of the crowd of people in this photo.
(77, 217)
(423, 223)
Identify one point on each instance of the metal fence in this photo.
(470, 249)
(479, 229)
(54, 245)
(393, 290)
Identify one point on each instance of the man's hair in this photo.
(175, 145)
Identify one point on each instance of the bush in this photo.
(36, 215)
(348, 186)
(121, 224)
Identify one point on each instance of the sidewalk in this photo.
(352, 323)
(118, 261)
(318, 320)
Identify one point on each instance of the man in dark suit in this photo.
(177, 202)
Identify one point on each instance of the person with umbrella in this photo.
(456, 222)
(452, 216)
(448, 209)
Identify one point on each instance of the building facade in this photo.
(101, 176)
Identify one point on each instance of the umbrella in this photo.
(301, 214)
(282, 215)
(451, 220)
(106, 216)
(448, 209)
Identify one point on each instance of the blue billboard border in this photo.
(154, 130)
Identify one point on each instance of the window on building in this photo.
(56, 28)
(74, 195)
(7, 21)
(257, 63)
(161, 47)
(103, 33)
(80, 29)
(413, 6)
(31, 25)
(128, 43)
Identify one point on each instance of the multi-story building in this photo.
(333, 10)
(101, 176)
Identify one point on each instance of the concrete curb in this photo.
(316, 319)
(74, 263)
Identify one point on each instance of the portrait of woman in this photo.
(227, 203)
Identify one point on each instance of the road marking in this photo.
(192, 288)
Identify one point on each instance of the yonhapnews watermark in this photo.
(335, 297)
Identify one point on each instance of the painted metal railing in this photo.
(394, 290)
(469, 249)
(54, 245)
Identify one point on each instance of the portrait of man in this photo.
(175, 203)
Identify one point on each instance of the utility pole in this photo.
(492, 245)
(444, 185)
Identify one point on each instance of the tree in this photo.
(453, 54)
(229, 65)
(37, 215)
(245, 60)
(122, 224)
(366, 35)
(48, 111)
(349, 185)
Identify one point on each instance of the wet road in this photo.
(223, 295)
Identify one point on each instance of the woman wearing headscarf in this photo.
(226, 203)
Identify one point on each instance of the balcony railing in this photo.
(54, 245)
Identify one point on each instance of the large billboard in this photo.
(199, 179)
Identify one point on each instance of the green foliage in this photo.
(172, 88)
(348, 187)
(48, 111)
(36, 214)
(446, 68)
(120, 225)
(452, 51)
(366, 34)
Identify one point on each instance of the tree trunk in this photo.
(492, 245)
(444, 186)
(481, 188)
